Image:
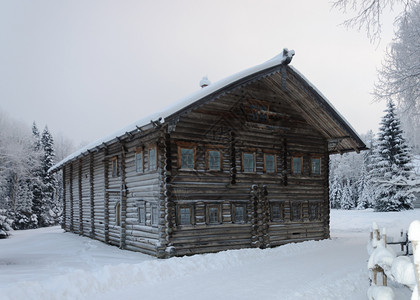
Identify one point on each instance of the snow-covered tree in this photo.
(399, 77)
(347, 201)
(336, 191)
(391, 168)
(50, 205)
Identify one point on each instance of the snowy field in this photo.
(50, 264)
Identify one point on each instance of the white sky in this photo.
(88, 68)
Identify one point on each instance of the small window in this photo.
(154, 215)
(142, 213)
(239, 213)
(296, 214)
(152, 159)
(316, 166)
(213, 214)
(277, 212)
(118, 214)
(214, 160)
(297, 165)
(139, 161)
(187, 158)
(114, 166)
(270, 163)
(185, 215)
(248, 162)
(314, 211)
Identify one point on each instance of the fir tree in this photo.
(347, 201)
(335, 193)
(49, 181)
(391, 166)
(37, 182)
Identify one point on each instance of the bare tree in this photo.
(368, 14)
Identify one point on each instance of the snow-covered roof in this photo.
(146, 123)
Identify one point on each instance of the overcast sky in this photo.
(88, 68)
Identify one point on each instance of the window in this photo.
(316, 166)
(297, 165)
(277, 211)
(239, 213)
(154, 215)
(214, 160)
(118, 214)
(152, 159)
(142, 213)
(139, 161)
(114, 167)
(213, 214)
(187, 158)
(296, 214)
(314, 211)
(248, 162)
(185, 215)
(269, 163)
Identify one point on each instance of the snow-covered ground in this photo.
(50, 264)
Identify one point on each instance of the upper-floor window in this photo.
(187, 158)
(297, 165)
(270, 163)
(214, 160)
(152, 159)
(139, 161)
(114, 166)
(248, 161)
(316, 166)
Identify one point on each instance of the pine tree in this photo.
(391, 167)
(335, 193)
(49, 201)
(37, 182)
(347, 200)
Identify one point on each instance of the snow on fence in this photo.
(398, 267)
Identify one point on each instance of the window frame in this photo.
(265, 163)
(245, 214)
(149, 165)
(208, 165)
(118, 214)
(115, 172)
(299, 205)
(253, 161)
(179, 215)
(281, 217)
(154, 218)
(219, 214)
(185, 145)
(318, 205)
(300, 157)
(141, 206)
(320, 169)
(139, 152)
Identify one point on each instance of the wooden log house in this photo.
(241, 163)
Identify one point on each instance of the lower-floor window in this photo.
(277, 211)
(184, 215)
(142, 213)
(213, 214)
(296, 211)
(118, 214)
(239, 213)
(154, 215)
(314, 211)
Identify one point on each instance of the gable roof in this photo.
(272, 66)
